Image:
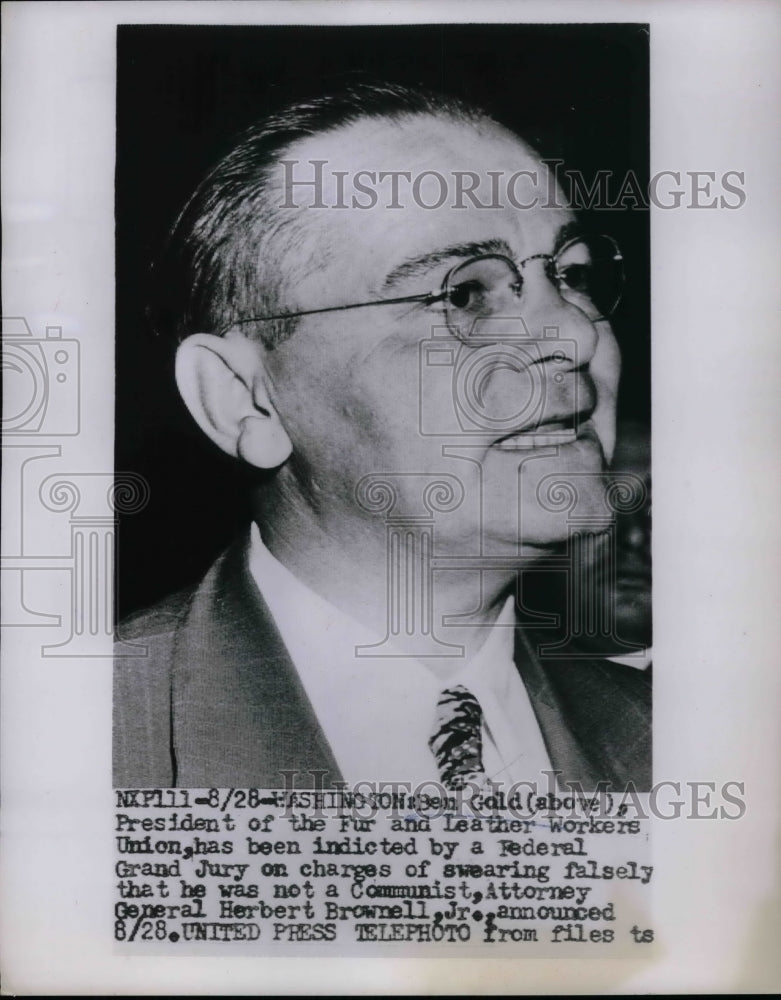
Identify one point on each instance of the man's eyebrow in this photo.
(420, 265)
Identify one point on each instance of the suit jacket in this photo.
(215, 701)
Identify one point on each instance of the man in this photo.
(413, 380)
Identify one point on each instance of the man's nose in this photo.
(550, 318)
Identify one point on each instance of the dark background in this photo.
(575, 92)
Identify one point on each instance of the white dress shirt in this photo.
(378, 713)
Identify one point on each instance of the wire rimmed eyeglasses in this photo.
(588, 272)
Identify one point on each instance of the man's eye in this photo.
(576, 277)
(468, 295)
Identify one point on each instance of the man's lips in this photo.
(560, 430)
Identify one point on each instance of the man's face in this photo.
(359, 393)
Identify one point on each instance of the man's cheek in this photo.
(606, 363)
(605, 370)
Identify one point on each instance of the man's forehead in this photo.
(369, 205)
(414, 142)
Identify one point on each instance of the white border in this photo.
(716, 89)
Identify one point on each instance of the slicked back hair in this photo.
(222, 259)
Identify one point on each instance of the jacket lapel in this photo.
(241, 717)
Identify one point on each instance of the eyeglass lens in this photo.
(587, 272)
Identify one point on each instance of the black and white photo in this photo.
(392, 310)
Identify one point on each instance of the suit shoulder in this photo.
(143, 660)
(633, 682)
(628, 678)
(624, 684)
(159, 620)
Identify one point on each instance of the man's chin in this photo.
(541, 534)
(554, 502)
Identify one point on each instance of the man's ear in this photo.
(222, 382)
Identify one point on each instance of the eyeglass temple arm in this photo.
(427, 297)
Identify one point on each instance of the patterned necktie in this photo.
(457, 742)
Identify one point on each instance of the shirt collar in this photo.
(292, 602)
